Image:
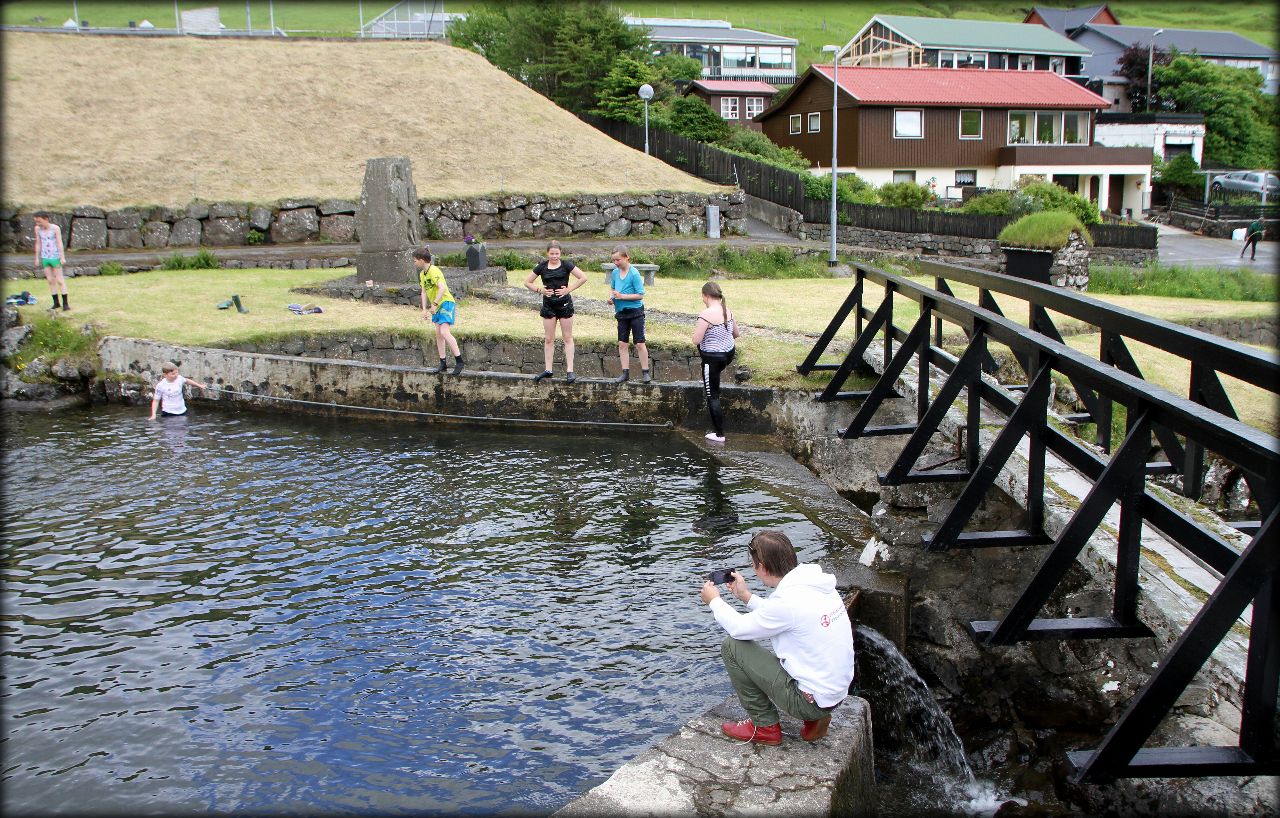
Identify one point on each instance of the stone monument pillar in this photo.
(387, 220)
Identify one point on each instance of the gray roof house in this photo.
(1064, 21)
(1108, 42)
(726, 53)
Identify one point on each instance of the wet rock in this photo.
(37, 368)
(65, 370)
(13, 338)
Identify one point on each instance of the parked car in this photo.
(1245, 181)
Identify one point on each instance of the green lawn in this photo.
(813, 24)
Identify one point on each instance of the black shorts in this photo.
(631, 324)
(557, 306)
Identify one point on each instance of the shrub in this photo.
(1002, 203)
(1047, 230)
(692, 117)
(111, 268)
(905, 194)
(432, 232)
(204, 259)
(755, 144)
(52, 339)
(850, 188)
(512, 260)
(455, 259)
(1056, 197)
(255, 236)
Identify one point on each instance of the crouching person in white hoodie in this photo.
(809, 672)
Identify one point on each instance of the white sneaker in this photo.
(715, 438)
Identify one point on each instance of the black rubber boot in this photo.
(624, 377)
(569, 377)
(439, 370)
(458, 364)
(645, 377)
(542, 377)
(65, 305)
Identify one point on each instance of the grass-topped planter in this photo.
(1050, 247)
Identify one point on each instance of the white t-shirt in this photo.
(169, 393)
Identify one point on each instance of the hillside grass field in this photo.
(116, 121)
(813, 24)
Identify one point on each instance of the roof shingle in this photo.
(969, 87)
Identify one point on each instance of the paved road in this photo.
(1184, 248)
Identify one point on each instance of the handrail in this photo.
(1225, 356)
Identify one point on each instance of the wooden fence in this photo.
(1213, 211)
(786, 187)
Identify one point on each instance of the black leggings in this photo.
(713, 363)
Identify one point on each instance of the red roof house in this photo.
(738, 101)
(953, 129)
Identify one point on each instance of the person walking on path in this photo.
(557, 306)
(168, 394)
(811, 667)
(626, 294)
(714, 335)
(443, 308)
(50, 256)
(1251, 239)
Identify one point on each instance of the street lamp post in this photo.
(1151, 52)
(646, 94)
(834, 50)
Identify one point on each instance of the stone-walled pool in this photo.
(262, 613)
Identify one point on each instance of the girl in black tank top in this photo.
(557, 306)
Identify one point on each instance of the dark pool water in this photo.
(264, 614)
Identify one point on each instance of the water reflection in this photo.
(243, 613)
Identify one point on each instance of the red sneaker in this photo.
(814, 730)
(746, 731)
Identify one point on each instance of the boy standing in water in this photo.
(50, 256)
(443, 311)
(626, 294)
(168, 394)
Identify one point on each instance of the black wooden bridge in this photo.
(1185, 429)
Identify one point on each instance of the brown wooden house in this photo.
(954, 129)
(737, 101)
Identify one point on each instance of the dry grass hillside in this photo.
(115, 121)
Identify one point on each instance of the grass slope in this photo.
(113, 121)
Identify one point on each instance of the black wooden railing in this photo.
(786, 187)
(1185, 427)
(1221, 210)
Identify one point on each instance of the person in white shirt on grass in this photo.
(811, 667)
(168, 394)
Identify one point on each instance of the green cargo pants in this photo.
(761, 683)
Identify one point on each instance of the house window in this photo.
(728, 107)
(1020, 127)
(972, 59)
(1046, 128)
(794, 119)
(904, 176)
(776, 58)
(754, 106)
(1057, 65)
(815, 122)
(970, 123)
(1075, 128)
(1026, 62)
(946, 59)
(738, 56)
(966, 178)
(908, 124)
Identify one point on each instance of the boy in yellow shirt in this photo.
(443, 308)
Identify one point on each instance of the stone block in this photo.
(589, 223)
(88, 212)
(483, 224)
(487, 206)
(225, 232)
(617, 228)
(548, 229)
(612, 212)
(128, 218)
(260, 218)
(291, 226)
(294, 204)
(186, 233)
(228, 210)
(156, 234)
(520, 227)
(507, 354)
(198, 210)
(160, 213)
(88, 234)
(126, 238)
(339, 228)
(430, 210)
(335, 207)
(448, 227)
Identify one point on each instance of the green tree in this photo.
(1239, 120)
(619, 96)
(1179, 175)
(692, 117)
(1052, 196)
(905, 194)
(756, 144)
(563, 50)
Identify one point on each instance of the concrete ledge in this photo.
(700, 771)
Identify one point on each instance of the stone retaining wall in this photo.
(932, 244)
(289, 221)
(482, 354)
(1222, 228)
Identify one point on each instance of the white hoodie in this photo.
(809, 629)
